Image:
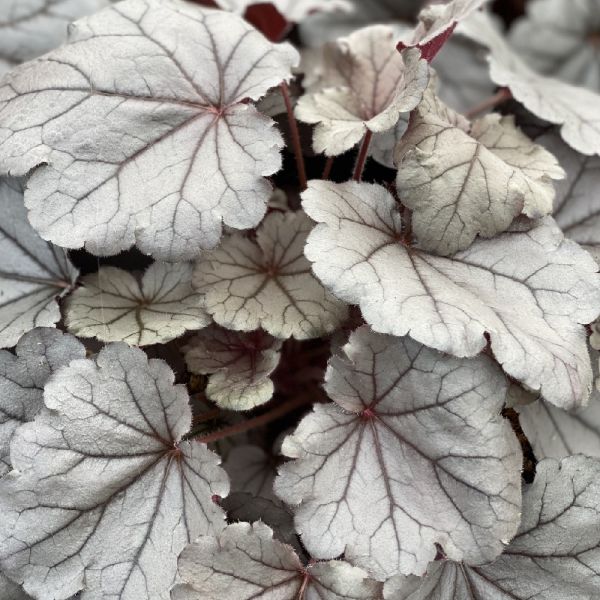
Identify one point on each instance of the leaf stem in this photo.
(328, 166)
(499, 97)
(295, 133)
(362, 156)
(264, 419)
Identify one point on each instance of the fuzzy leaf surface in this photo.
(138, 145)
(39, 354)
(114, 305)
(576, 110)
(461, 183)
(412, 453)
(451, 303)
(245, 563)
(33, 273)
(30, 28)
(104, 494)
(553, 557)
(365, 86)
(268, 284)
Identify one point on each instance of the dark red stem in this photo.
(362, 156)
(295, 133)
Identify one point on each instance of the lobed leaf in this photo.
(114, 305)
(239, 366)
(39, 354)
(245, 562)
(268, 284)
(554, 556)
(559, 39)
(577, 204)
(30, 28)
(138, 145)
(105, 494)
(33, 273)
(463, 180)
(575, 109)
(411, 454)
(452, 304)
(365, 85)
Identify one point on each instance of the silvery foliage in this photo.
(561, 39)
(374, 364)
(553, 556)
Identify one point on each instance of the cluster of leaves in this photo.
(369, 390)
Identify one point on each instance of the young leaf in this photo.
(413, 453)
(436, 24)
(268, 284)
(30, 28)
(33, 273)
(245, 563)
(460, 184)
(138, 144)
(105, 494)
(115, 306)
(251, 470)
(577, 205)
(365, 86)
(39, 354)
(575, 109)
(452, 303)
(553, 557)
(239, 364)
(561, 39)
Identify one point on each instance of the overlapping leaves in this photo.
(105, 470)
(412, 454)
(452, 304)
(138, 144)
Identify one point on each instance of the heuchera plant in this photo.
(310, 321)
